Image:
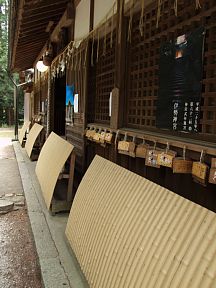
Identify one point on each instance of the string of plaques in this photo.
(155, 156)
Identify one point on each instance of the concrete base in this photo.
(59, 266)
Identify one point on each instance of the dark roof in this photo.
(27, 25)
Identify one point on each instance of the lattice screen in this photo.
(101, 80)
(143, 59)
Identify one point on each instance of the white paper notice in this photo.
(76, 103)
(110, 104)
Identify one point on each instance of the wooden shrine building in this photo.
(140, 72)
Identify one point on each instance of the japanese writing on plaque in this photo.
(175, 115)
(185, 116)
(190, 116)
(196, 116)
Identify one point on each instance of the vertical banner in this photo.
(76, 103)
(180, 82)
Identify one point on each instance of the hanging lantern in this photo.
(41, 67)
(48, 56)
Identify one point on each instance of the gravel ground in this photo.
(18, 259)
(18, 264)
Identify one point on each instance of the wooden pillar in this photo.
(49, 105)
(91, 23)
(116, 120)
(85, 74)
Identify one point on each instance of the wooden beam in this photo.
(65, 21)
(16, 34)
(30, 20)
(48, 14)
(28, 44)
(44, 6)
(34, 23)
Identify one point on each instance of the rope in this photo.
(198, 5)
(158, 12)
(89, 34)
(76, 61)
(80, 60)
(98, 45)
(176, 7)
(130, 22)
(112, 27)
(92, 51)
(120, 20)
(105, 40)
(86, 51)
(72, 62)
(141, 22)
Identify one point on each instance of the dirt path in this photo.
(18, 265)
(18, 259)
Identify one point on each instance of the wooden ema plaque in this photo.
(141, 150)
(213, 163)
(212, 176)
(126, 148)
(96, 137)
(108, 137)
(90, 134)
(199, 170)
(151, 158)
(166, 158)
(181, 165)
(102, 137)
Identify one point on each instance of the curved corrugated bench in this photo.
(128, 232)
(23, 131)
(32, 137)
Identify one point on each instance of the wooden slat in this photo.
(32, 137)
(54, 154)
(129, 232)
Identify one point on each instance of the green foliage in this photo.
(6, 87)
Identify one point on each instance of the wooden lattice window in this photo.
(143, 59)
(101, 80)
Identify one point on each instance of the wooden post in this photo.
(118, 92)
(49, 105)
(70, 194)
(91, 23)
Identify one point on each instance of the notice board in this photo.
(180, 82)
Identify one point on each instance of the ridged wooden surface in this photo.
(129, 232)
(51, 160)
(23, 130)
(32, 136)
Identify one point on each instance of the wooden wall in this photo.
(132, 67)
(140, 82)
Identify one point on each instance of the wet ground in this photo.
(9, 171)
(18, 259)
